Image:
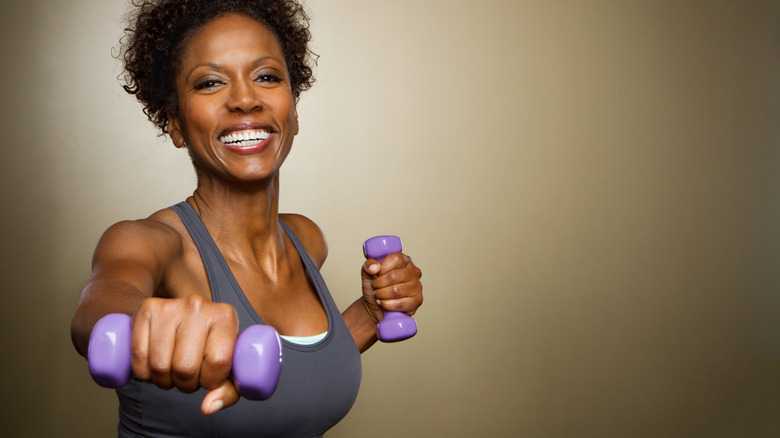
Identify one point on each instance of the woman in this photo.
(222, 79)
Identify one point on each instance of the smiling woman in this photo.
(222, 79)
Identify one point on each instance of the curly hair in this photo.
(158, 31)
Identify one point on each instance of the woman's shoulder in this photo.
(160, 224)
(153, 254)
(157, 235)
(310, 235)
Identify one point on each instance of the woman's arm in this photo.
(361, 322)
(126, 269)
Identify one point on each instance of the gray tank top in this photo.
(318, 384)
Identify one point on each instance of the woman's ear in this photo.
(295, 120)
(175, 131)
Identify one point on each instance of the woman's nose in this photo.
(244, 97)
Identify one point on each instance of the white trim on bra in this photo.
(305, 340)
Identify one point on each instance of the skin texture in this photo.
(232, 77)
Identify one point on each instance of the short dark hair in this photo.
(158, 30)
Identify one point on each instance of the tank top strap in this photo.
(308, 263)
(314, 275)
(207, 248)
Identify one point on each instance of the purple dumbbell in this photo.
(395, 326)
(257, 357)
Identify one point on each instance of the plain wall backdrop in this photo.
(591, 190)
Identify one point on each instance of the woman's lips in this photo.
(249, 137)
(246, 138)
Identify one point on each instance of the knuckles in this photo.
(186, 378)
(159, 368)
(219, 361)
(194, 303)
(186, 371)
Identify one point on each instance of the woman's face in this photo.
(236, 110)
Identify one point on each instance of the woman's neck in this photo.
(243, 221)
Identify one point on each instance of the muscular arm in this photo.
(127, 267)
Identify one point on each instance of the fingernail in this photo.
(216, 406)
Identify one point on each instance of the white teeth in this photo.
(244, 138)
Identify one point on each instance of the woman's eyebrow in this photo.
(204, 64)
(263, 58)
(222, 68)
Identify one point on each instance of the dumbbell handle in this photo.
(257, 357)
(395, 326)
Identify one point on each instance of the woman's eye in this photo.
(207, 83)
(268, 77)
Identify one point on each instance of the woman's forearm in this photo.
(362, 324)
(98, 299)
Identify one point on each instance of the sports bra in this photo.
(318, 385)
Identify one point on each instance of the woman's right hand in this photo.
(186, 343)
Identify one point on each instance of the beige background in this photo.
(590, 187)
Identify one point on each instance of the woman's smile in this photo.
(247, 138)
(244, 138)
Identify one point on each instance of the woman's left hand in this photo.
(393, 285)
